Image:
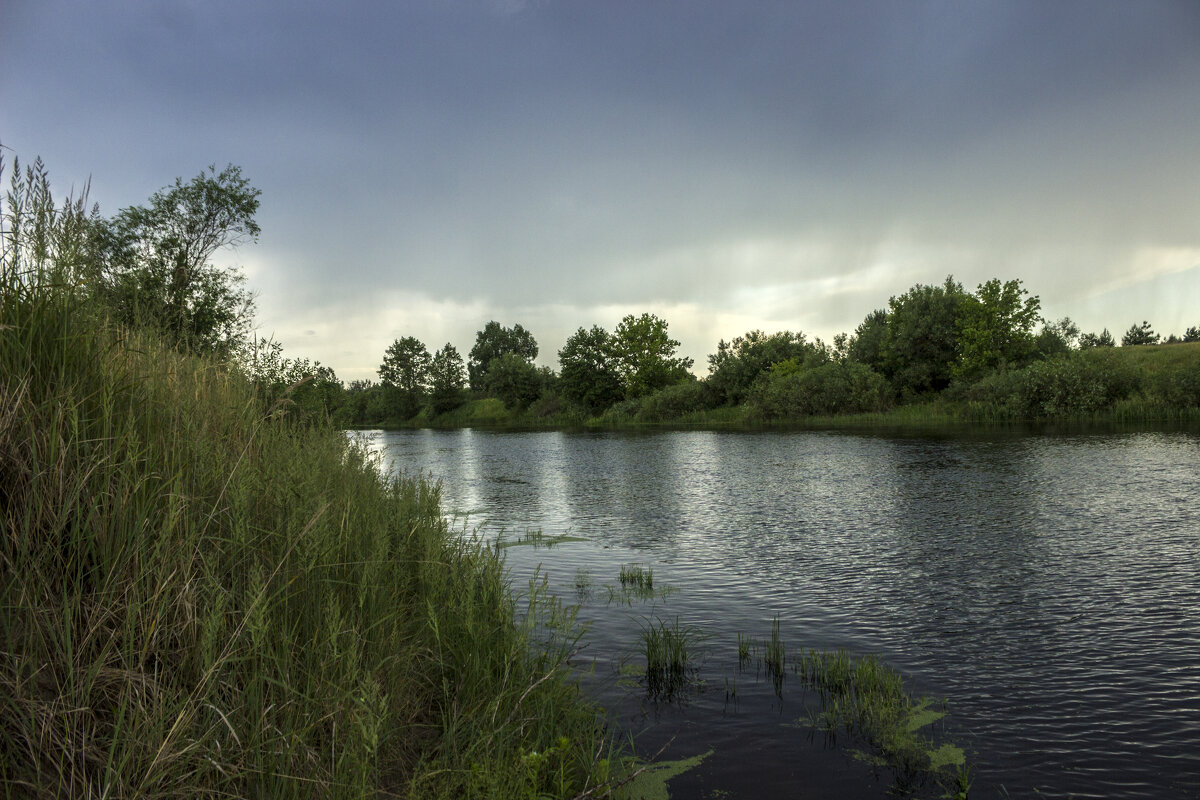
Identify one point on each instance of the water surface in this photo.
(1047, 586)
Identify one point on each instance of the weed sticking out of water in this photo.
(625, 595)
(584, 586)
(744, 645)
(775, 658)
(636, 576)
(669, 649)
(536, 539)
(776, 651)
(866, 700)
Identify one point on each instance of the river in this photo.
(1047, 586)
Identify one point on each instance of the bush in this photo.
(832, 388)
(671, 402)
(1081, 383)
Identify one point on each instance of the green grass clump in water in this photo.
(669, 657)
(636, 576)
(866, 699)
(201, 597)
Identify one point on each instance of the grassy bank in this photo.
(199, 597)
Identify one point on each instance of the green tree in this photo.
(493, 342)
(995, 328)
(1139, 334)
(1102, 339)
(588, 370)
(447, 379)
(870, 339)
(154, 270)
(1192, 334)
(514, 380)
(404, 374)
(645, 355)
(1057, 338)
(922, 337)
(735, 366)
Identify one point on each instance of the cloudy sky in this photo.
(429, 165)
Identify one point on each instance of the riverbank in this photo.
(204, 597)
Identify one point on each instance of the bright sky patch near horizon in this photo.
(430, 165)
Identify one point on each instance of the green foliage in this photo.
(152, 262)
(869, 344)
(447, 379)
(1139, 334)
(995, 328)
(1102, 339)
(588, 370)
(1078, 384)
(1192, 334)
(202, 600)
(1056, 338)
(513, 380)
(922, 338)
(404, 374)
(689, 396)
(791, 391)
(645, 355)
(496, 341)
(737, 364)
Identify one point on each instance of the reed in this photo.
(669, 651)
(637, 576)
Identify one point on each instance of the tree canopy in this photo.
(404, 374)
(493, 342)
(995, 327)
(645, 355)
(922, 337)
(588, 371)
(153, 262)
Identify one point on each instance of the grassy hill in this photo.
(203, 598)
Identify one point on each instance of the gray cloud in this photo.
(802, 162)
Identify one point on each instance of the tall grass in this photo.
(198, 598)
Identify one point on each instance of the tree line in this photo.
(150, 268)
(929, 341)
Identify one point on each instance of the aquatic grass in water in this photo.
(866, 699)
(669, 650)
(536, 539)
(637, 576)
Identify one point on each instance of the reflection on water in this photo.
(1049, 587)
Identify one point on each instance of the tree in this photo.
(495, 341)
(514, 380)
(1102, 339)
(737, 364)
(922, 337)
(447, 379)
(404, 374)
(588, 369)
(645, 355)
(869, 340)
(1192, 334)
(1139, 334)
(154, 268)
(995, 328)
(1057, 338)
